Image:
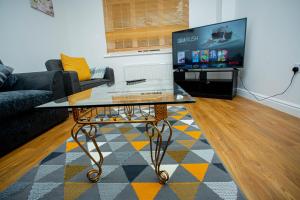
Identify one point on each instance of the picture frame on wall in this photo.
(45, 6)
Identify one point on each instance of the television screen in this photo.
(219, 45)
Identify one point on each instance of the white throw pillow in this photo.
(97, 72)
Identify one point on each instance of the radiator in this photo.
(148, 71)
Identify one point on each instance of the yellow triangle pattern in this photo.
(197, 170)
(106, 130)
(72, 145)
(177, 155)
(183, 112)
(146, 191)
(73, 190)
(177, 117)
(131, 136)
(187, 143)
(194, 134)
(185, 191)
(124, 129)
(138, 145)
(181, 127)
(72, 170)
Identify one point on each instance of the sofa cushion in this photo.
(92, 83)
(78, 65)
(7, 79)
(9, 83)
(98, 72)
(5, 72)
(54, 64)
(13, 102)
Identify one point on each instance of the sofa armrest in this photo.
(109, 75)
(48, 80)
(71, 82)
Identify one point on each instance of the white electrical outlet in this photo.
(297, 65)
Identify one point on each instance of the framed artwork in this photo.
(45, 6)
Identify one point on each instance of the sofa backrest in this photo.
(54, 64)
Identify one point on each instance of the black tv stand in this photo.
(203, 76)
(202, 86)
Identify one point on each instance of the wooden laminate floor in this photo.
(258, 145)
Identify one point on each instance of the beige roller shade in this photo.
(143, 24)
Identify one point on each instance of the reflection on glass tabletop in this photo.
(149, 92)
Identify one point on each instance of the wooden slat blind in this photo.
(143, 24)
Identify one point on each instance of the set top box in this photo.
(220, 45)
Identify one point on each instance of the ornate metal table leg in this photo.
(93, 174)
(152, 129)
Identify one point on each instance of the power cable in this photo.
(274, 95)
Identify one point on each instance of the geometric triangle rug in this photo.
(195, 170)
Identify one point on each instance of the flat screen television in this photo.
(220, 45)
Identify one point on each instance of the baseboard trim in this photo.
(284, 106)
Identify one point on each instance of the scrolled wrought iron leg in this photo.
(158, 155)
(93, 174)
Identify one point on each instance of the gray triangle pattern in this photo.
(146, 155)
(166, 193)
(71, 156)
(16, 191)
(181, 175)
(127, 193)
(29, 177)
(111, 160)
(91, 192)
(110, 137)
(109, 191)
(200, 145)
(214, 174)
(206, 154)
(225, 190)
(135, 159)
(56, 176)
(127, 147)
(193, 158)
(40, 189)
(122, 156)
(147, 175)
(116, 145)
(204, 192)
(44, 170)
(107, 169)
(57, 192)
(117, 176)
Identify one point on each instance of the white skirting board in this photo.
(287, 107)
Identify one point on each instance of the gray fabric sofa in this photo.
(71, 81)
(19, 121)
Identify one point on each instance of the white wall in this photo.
(28, 37)
(202, 12)
(272, 47)
(228, 9)
(31, 37)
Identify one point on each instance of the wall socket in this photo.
(296, 67)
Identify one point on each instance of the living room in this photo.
(243, 148)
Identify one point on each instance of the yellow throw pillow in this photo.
(76, 64)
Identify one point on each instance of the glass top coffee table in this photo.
(144, 102)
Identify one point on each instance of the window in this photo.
(143, 24)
